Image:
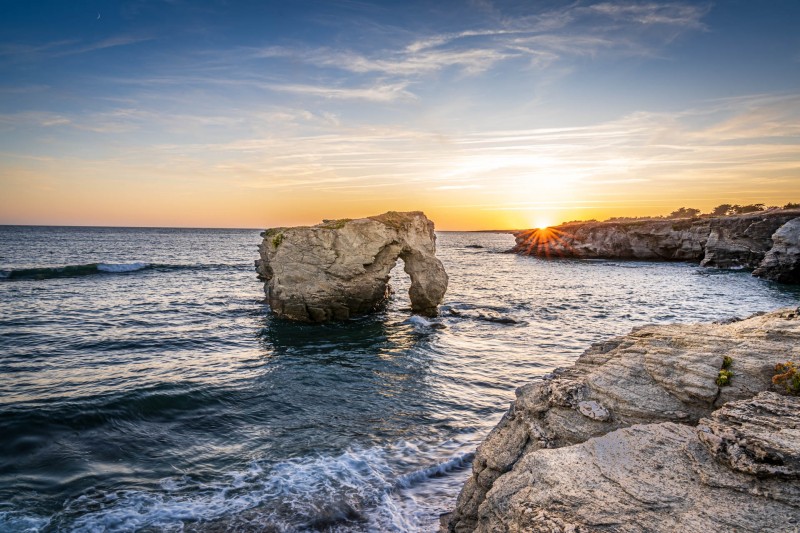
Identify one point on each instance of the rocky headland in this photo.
(340, 268)
(668, 428)
(767, 241)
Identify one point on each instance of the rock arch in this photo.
(340, 268)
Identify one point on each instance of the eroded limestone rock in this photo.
(338, 269)
(740, 241)
(760, 436)
(653, 375)
(644, 478)
(782, 262)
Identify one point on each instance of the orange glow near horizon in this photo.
(74, 192)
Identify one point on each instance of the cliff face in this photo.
(638, 436)
(782, 262)
(724, 242)
(338, 269)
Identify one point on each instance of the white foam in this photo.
(358, 488)
(21, 523)
(422, 324)
(121, 267)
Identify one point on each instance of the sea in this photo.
(144, 385)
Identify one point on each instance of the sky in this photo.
(484, 114)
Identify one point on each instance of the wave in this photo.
(89, 269)
(353, 491)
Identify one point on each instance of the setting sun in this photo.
(541, 222)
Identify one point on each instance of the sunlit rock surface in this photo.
(740, 241)
(340, 268)
(632, 438)
(782, 262)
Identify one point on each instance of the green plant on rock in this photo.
(335, 224)
(725, 373)
(277, 240)
(788, 375)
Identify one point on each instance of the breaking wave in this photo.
(353, 491)
(73, 271)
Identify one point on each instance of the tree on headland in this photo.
(684, 212)
(735, 209)
(752, 208)
(721, 210)
(791, 205)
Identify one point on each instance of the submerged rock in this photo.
(740, 241)
(340, 268)
(613, 442)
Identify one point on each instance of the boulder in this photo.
(340, 268)
(657, 478)
(529, 474)
(782, 262)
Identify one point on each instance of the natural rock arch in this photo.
(340, 268)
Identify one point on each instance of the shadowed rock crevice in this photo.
(340, 268)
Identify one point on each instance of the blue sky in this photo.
(482, 113)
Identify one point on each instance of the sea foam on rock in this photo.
(637, 436)
(340, 268)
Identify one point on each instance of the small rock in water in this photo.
(486, 315)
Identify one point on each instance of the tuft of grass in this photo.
(788, 375)
(335, 224)
(277, 240)
(725, 373)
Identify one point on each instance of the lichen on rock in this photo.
(340, 268)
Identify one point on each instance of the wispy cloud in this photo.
(27, 52)
(375, 93)
(542, 39)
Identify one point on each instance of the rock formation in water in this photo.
(782, 262)
(340, 268)
(638, 436)
(723, 242)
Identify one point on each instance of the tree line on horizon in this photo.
(690, 212)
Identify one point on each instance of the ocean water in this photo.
(144, 385)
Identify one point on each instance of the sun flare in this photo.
(542, 223)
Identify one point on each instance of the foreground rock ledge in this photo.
(340, 268)
(636, 436)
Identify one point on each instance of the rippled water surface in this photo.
(145, 387)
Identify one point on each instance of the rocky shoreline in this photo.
(639, 436)
(767, 241)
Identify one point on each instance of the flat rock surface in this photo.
(654, 477)
(653, 375)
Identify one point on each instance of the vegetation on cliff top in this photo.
(721, 210)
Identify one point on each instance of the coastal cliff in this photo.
(739, 241)
(340, 268)
(646, 433)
